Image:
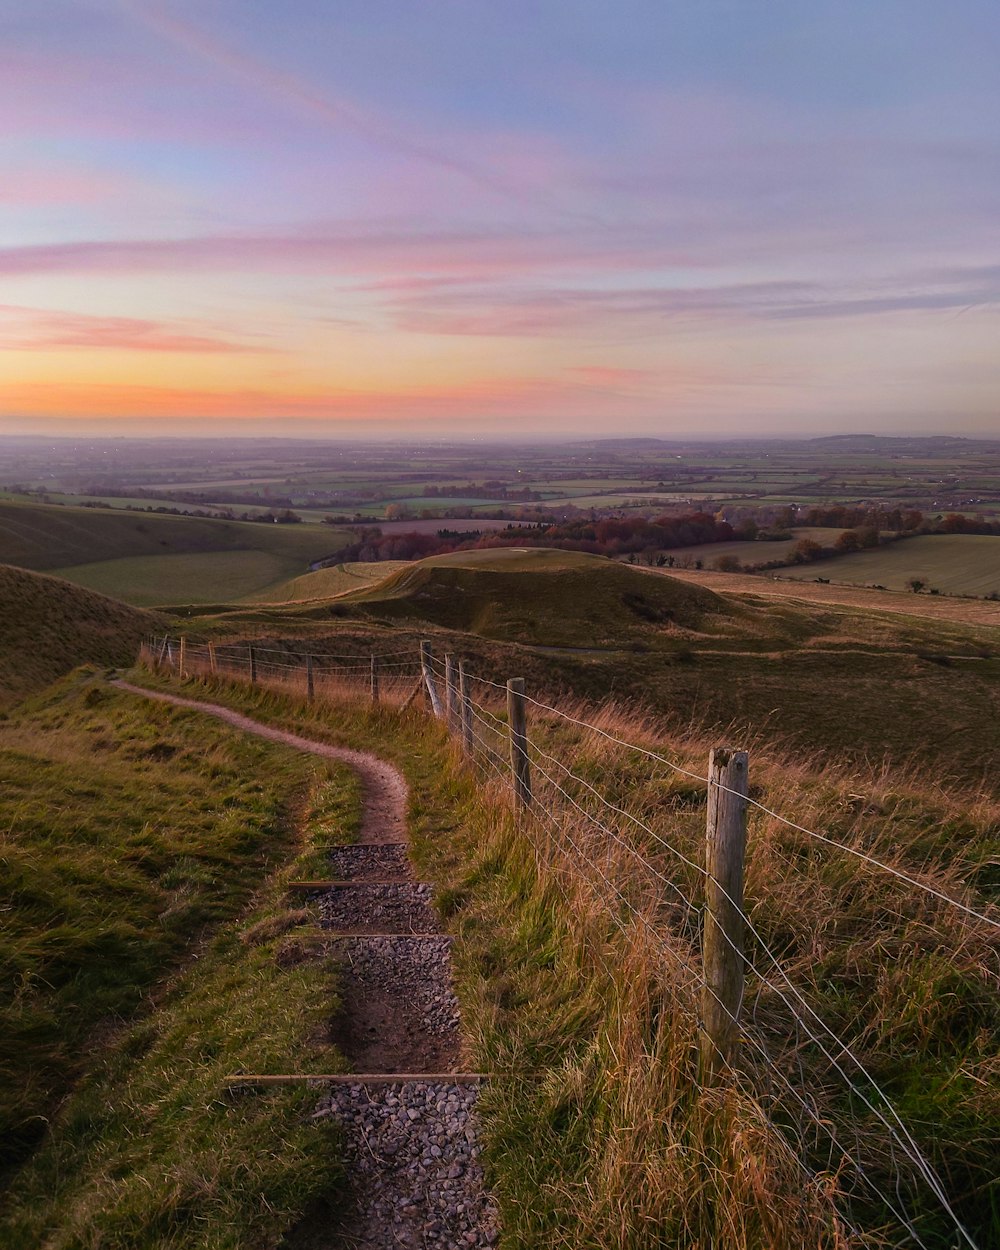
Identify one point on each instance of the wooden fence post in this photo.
(722, 943)
(253, 663)
(518, 741)
(464, 708)
(310, 679)
(450, 693)
(182, 657)
(213, 663)
(428, 672)
(375, 668)
(163, 650)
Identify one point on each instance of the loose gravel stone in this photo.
(369, 863)
(379, 908)
(417, 1182)
(415, 974)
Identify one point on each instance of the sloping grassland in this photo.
(149, 559)
(48, 627)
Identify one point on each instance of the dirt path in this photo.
(411, 1144)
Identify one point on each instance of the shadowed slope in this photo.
(50, 626)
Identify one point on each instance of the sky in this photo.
(519, 219)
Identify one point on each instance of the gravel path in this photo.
(416, 1183)
(398, 1010)
(413, 1148)
(383, 907)
(369, 863)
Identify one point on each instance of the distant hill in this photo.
(48, 627)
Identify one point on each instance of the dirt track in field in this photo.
(411, 1144)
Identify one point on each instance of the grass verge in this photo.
(597, 1133)
(149, 951)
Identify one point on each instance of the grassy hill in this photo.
(956, 564)
(148, 559)
(50, 626)
(555, 598)
(827, 680)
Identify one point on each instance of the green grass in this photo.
(956, 564)
(49, 627)
(197, 577)
(335, 580)
(118, 553)
(138, 836)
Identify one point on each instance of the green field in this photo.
(145, 852)
(152, 559)
(749, 553)
(955, 564)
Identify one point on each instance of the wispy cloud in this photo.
(34, 329)
(292, 89)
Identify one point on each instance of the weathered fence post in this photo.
(213, 664)
(722, 944)
(253, 663)
(375, 668)
(310, 679)
(518, 741)
(428, 672)
(464, 708)
(163, 650)
(450, 693)
(182, 657)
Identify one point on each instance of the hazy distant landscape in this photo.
(312, 502)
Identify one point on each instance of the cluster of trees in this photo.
(608, 537)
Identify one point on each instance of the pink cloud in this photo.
(44, 186)
(469, 254)
(33, 329)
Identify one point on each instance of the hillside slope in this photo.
(150, 559)
(50, 626)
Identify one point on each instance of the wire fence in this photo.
(653, 883)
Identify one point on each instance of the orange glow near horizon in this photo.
(215, 213)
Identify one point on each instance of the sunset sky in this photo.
(471, 218)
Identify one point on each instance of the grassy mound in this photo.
(555, 598)
(50, 626)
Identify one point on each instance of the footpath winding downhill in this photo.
(411, 1142)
